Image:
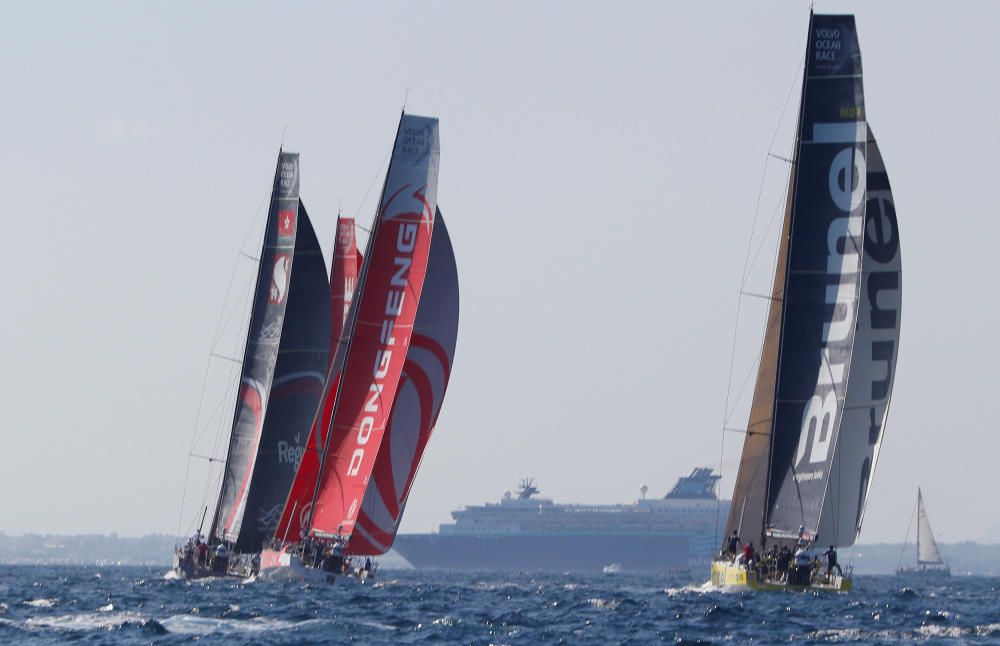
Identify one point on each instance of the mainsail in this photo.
(261, 352)
(873, 367)
(927, 549)
(418, 401)
(822, 280)
(366, 373)
(343, 281)
(392, 278)
(295, 389)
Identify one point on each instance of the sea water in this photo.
(120, 605)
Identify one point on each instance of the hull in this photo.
(279, 565)
(574, 552)
(924, 573)
(726, 575)
(186, 567)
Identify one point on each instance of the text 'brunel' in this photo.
(847, 183)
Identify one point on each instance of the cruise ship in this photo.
(527, 532)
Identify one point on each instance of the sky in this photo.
(600, 171)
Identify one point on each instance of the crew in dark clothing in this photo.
(831, 561)
(784, 560)
(734, 544)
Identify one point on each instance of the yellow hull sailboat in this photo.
(829, 353)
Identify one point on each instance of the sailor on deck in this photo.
(831, 561)
(734, 544)
(800, 574)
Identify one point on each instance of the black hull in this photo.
(584, 552)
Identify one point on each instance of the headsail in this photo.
(927, 549)
(873, 366)
(418, 401)
(261, 352)
(822, 278)
(295, 389)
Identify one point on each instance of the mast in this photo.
(261, 348)
(296, 388)
(753, 479)
(350, 326)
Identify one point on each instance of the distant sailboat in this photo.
(829, 353)
(284, 362)
(929, 560)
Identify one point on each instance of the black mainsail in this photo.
(248, 441)
(295, 390)
(811, 440)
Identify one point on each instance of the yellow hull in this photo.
(735, 577)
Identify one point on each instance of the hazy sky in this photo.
(600, 166)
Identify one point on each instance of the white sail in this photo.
(927, 549)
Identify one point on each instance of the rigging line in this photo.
(208, 362)
(907, 538)
(374, 180)
(232, 383)
(747, 266)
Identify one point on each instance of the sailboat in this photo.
(930, 564)
(284, 363)
(828, 358)
(321, 512)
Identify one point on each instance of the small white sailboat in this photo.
(929, 561)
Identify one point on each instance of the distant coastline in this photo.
(156, 549)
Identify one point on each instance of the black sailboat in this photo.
(829, 352)
(283, 368)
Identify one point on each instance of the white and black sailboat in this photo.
(829, 352)
(930, 563)
(284, 363)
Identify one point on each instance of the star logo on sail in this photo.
(279, 279)
(286, 222)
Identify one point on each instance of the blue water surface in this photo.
(57, 604)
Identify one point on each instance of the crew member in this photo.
(831, 561)
(734, 544)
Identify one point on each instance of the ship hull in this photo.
(567, 552)
(727, 575)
